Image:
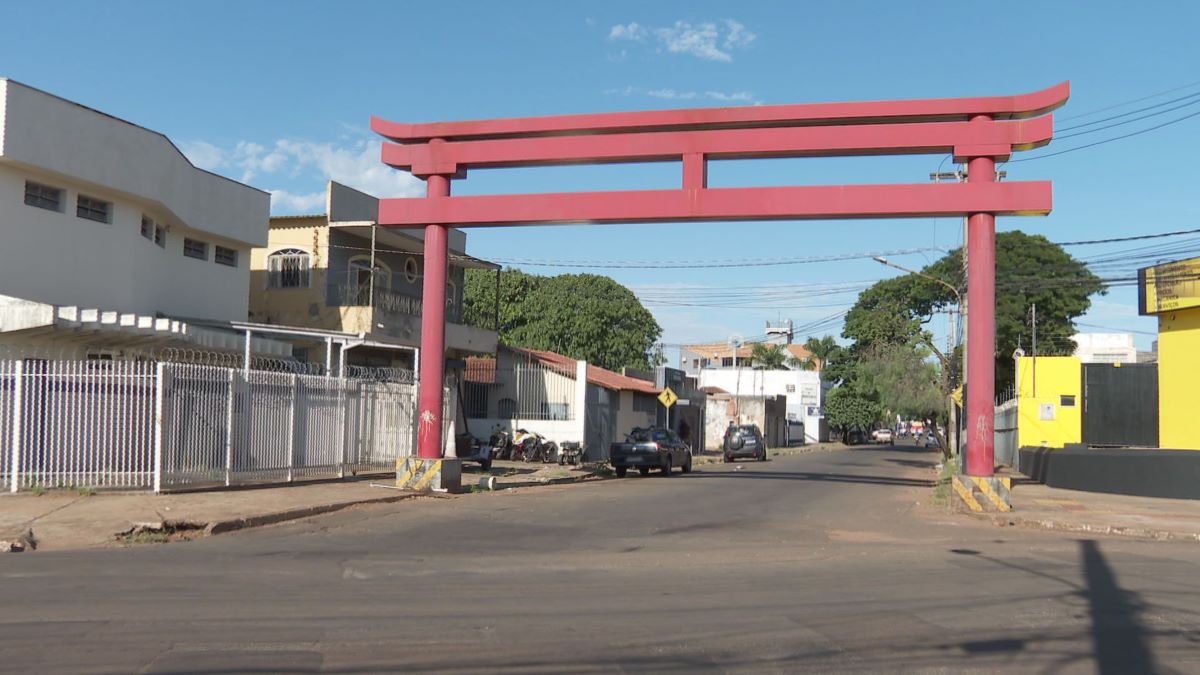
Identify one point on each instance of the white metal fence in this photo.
(164, 426)
(532, 391)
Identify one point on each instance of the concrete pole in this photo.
(433, 328)
(981, 326)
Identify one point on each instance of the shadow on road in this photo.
(820, 477)
(1118, 637)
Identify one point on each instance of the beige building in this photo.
(340, 271)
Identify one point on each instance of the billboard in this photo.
(1169, 287)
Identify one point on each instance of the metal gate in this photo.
(1120, 404)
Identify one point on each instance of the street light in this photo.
(884, 261)
(952, 338)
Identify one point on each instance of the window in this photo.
(160, 236)
(555, 411)
(360, 278)
(1066, 401)
(148, 228)
(43, 196)
(791, 388)
(93, 209)
(644, 403)
(288, 268)
(507, 408)
(195, 249)
(225, 256)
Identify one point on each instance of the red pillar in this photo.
(433, 328)
(981, 328)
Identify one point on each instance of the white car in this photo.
(882, 436)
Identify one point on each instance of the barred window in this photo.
(43, 196)
(644, 403)
(160, 236)
(93, 209)
(288, 268)
(193, 248)
(225, 256)
(148, 228)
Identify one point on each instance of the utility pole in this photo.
(1034, 311)
(960, 176)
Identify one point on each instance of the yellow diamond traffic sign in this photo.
(667, 397)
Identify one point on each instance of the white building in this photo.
(804, 389)
(1105, 347)
(102, 215)
(99, 212)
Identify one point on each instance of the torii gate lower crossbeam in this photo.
(978, 131)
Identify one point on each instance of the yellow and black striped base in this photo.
(442, 475)
(980, 494)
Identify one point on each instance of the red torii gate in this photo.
(978, 131)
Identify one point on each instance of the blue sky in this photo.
(279, 94)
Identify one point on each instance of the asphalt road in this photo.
(823, 562)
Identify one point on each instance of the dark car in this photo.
(745, 441)
(650, 448)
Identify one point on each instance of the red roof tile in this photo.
(595, 374)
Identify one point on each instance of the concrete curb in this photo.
(234, 524)
(1085, 528)
(787, 452)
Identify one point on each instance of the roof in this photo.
(601, 377)
(719, 350)
(713, 390)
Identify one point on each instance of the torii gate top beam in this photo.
(1020, 106)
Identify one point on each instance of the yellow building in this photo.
(339, 271)
(1172, 293)
(1049, 401)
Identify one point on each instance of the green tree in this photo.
(479, 298)
(769, 357)
(847, 408)
(1029, 269)
(906, 383)
(821, 350)
(583, 316)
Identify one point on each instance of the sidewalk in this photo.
(1040, 506)
(65, 519)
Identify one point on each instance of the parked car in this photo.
(882, 436)
(744, 441)
(650, 448)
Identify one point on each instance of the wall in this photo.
(808, 392)
(1057, 376)
(1178, 376)
(57, 258)
(628, 418)
(767, 412)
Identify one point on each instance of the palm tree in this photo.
(769, 357)
(819, 351)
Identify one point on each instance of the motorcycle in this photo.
(534, 447)
(501, 442)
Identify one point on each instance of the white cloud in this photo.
(733, 96)
(706, 40)
(286, 202)
(202, 154)
(294, 171)
(669, 94)
(737, 36)
(672, 94)
(699, 40)
(629, 31)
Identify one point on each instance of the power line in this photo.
(1129, 121)
(1108, 140)
(1134, 112)
(1123, 239)
(1129, 102)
